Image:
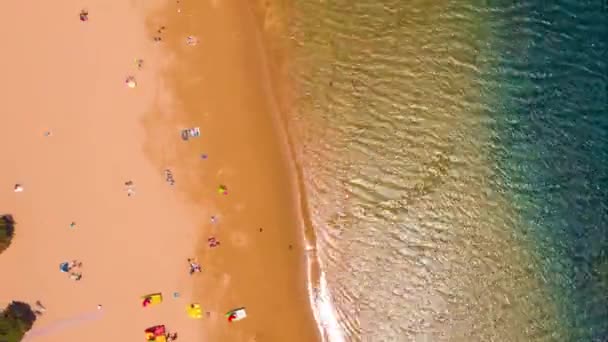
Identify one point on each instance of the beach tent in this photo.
(64, 267)
(236, 314)
(194, 311)
(152, 299)
(157, 333)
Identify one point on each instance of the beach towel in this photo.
(152, 299)
(236, 314)
(194, 311)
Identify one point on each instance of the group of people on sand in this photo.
(171, 336)
(169, 177)
(74, 270)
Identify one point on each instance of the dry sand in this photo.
(68, 77)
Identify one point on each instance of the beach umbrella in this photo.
(64, 267)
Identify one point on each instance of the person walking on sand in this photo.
(40, 307)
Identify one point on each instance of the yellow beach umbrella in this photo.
(194, 311)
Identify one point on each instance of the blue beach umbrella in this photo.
(64, 267)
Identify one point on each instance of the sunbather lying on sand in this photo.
(194, 266)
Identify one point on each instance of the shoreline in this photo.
(276, 50)
(319, 297)
(104, 135)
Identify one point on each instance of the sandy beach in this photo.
(74, 134)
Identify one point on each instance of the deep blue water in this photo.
(551, 147)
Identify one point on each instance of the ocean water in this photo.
(455, 156)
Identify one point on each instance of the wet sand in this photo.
(68, 77)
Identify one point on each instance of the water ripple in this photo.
(421, 228)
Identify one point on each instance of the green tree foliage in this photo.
(18, 317)
(15, 321)
(7, 227)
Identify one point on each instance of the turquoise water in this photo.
(455, 157)
(552, 149)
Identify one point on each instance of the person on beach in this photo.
(40, 306)
(131, 82)
(130, 188)
(40, 309)
(191, 40)
(169, 177)
(159, 31)
(213, 242)
(146, 302)
(84, 15)
(74, 264)
(194, 267)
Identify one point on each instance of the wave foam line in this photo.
(323, 307)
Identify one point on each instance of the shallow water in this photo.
(455, 159)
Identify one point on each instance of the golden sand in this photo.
(73, 138)
(223, 85)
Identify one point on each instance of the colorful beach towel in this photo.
(236, 314)
(157, 333)
(152, 299)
